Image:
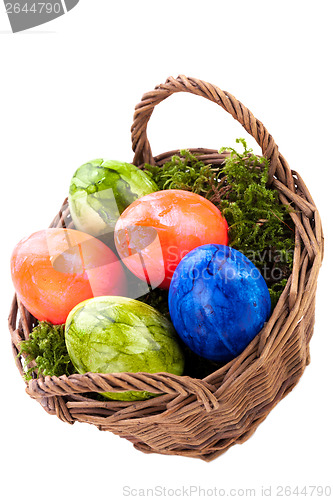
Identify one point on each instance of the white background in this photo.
(67, 95)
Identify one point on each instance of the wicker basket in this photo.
(193, 417)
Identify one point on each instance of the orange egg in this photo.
(156, 231)
(55, 269)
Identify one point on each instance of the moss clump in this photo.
(46, 346)
(185, 171)
(259, 225)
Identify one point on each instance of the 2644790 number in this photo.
(310, 491)
(35, 8)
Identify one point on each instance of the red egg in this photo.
(156, 231)
(55, 269)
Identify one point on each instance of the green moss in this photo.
(259, 225)
(46, 346)
(186, 172)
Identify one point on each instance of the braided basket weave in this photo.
(193, 417)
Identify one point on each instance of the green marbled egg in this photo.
(101, 190)
(118, 334)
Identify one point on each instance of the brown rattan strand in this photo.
(192, 417)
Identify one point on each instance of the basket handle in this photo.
(144, 110)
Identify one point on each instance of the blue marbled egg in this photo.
(218, 301)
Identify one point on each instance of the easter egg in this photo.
(218, 301)
(55, 269)
(118, 334)
(155, 232)
(101, 190)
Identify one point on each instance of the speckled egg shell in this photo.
(117, 334)
(218, 301)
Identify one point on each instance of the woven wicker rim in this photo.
(193, 417)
